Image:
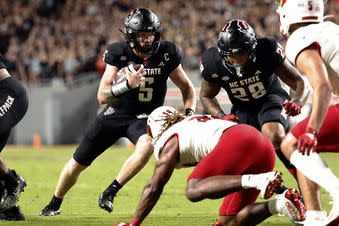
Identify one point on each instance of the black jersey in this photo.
(257, 81)
(2, 62)
(158, 67)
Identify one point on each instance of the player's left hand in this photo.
(292, 107)
(307, 142)
(135, 77)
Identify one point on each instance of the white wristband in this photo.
(119, 88)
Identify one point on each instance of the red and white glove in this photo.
(134, 222)
(231, 117)
(308, 141)
(292, 107)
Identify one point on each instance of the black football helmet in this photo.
(237, 36)
(142, 20)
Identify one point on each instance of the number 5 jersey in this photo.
(158, 67)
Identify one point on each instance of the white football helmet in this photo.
(299, 11)
(156, 120)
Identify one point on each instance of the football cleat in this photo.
(50, 210)
(291, 205)
(269, 184)
(313, 223)
(333, 217)
(11, 197)
(105, 201)
(314, 219)
(12, 214)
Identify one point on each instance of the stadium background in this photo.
(55, 48)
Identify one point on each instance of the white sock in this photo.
(249, 181)
(272, 206)
(313, 215)
(315, 168)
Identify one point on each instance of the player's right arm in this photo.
(310, 63)
(110, 89)
(208, 88)
(208, 92)
(162, 173)
(104, 92)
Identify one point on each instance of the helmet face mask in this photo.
(142, 20)
(299, 11)
(237, 40)
(145, 40)
(237, 59)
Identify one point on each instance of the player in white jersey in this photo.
(313, 46)
(232, 161)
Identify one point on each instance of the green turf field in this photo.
(41, 169)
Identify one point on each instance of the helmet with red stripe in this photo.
(299, 11)
(142, 20)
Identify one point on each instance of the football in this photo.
(122, 73)
(134, 67)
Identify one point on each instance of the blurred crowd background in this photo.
(48, 40)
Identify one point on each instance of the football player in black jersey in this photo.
(129, 101)
(13, 107)
(247, 67)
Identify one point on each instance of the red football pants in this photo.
(242, 149)
(328, 136)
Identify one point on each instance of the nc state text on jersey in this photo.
(245, 81)
(153, 71)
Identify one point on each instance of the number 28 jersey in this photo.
(158, 67)
(254, 83)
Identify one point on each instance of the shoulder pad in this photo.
(269, 54)
(266, 45)
(116, 48)
(297, 42)
(115, 54)
(170, 47)
(209, 61)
